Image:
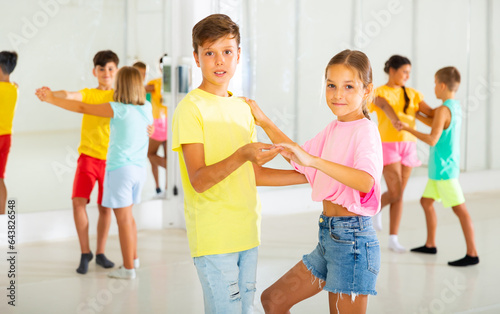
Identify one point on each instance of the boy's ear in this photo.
(93, 72)
(196, 58)
(443, 86)
(239, 52)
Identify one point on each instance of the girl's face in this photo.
(401, 75)
(345, 93)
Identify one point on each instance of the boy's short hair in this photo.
(140, 65)
(214, 27)
(450, 76)
(8, 61)
(103, 57)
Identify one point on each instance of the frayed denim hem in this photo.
(315, 274)
(353, 294)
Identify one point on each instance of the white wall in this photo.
(56, 41)
(296, 39)
(494, 87)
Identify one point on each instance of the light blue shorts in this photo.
(228, 281)
(123, 186)
(347, 256)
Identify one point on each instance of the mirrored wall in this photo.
(56, 41)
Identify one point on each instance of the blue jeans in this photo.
(228, 281)
(347, 256)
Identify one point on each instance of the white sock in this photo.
(377, 221)
(122, 273)
(394, 244)
(136, 263)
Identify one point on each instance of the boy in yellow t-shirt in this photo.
(92, 161)
(8, 100)
(220, 160)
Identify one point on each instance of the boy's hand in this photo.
(44, 94)
(402, 126)
(395, 124)
(259, 116)
(297, 154)
(259, 153)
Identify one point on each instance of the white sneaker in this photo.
(160, 195)
(394, 244)
(377, 221)
(136, 263)
(122, 273)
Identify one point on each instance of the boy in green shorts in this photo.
(220, 161)
(444, 165)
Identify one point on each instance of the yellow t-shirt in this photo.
(95, 130)
(395, 98)
(8, 100)
(159, 110)
(225, 218)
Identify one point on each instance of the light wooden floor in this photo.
(167, 282)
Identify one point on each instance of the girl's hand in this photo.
(259, 116)
(297, 154)
(44, 94)
(259, 153)
(151, 129)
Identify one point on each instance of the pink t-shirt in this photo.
(353, 144)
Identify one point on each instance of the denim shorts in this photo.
(228, 281)
(347, 256)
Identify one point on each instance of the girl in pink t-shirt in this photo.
(343, 164)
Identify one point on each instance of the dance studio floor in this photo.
(167, 283)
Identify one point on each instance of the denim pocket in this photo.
(373, 256)
(340, 238)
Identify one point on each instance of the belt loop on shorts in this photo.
(330, 224)
(360, 220)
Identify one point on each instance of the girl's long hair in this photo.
(128, 87)
(395, 62)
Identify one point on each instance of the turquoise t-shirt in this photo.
(444, 159)
(128, 139)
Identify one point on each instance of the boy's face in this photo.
(143, 73)
(218, 61)
(105, 75)
(439, 88)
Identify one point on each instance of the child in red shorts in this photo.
(92, 161)
(8, 100)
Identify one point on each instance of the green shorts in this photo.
(449, 191)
